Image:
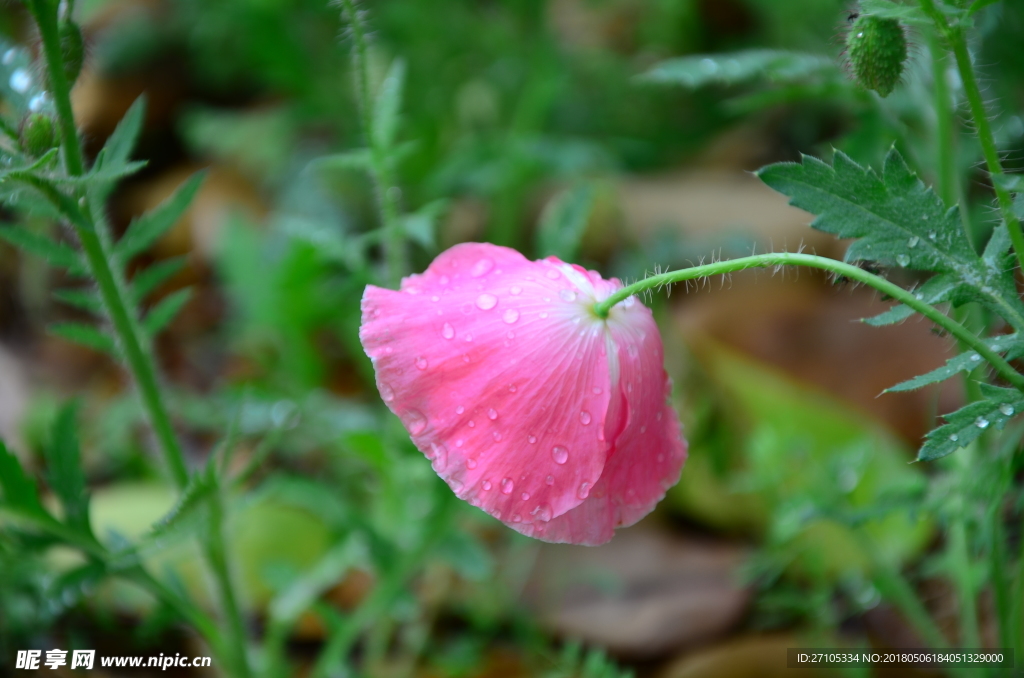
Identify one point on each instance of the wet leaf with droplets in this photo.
(968, 423)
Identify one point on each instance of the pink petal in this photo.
(482, 360)
(529, 406)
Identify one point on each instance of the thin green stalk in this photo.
(957, 39)
(381, 171)
(958, 331)
(217, 556)
(112, 292)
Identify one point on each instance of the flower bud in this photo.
(72, 47)
(37, 134)
(877, 50)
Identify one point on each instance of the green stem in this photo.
(217, 556)
(603, 308)
(112, 292)
(948, 181)
(957, 39)
(381, 171)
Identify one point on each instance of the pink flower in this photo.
(529, 405)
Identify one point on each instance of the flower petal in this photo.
(500, 375)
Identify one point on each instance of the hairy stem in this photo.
(381, 171)
(134, 349)
(602, 308)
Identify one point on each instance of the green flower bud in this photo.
(877, 50)
(37, 134)
(72, 47)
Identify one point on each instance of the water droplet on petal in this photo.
(510, 316)
(542, 513)
(471, 423)
(507, 486)
(597, 390)
(460, 442)
(481, 268)
(516, 518)
(543, 315)
(532, 439)
(485, 302)
(492, 414)
(387, 393)
(902, 259)
(584, 417)
(515, 290)
(512, 388)
(553, 274)
(981, 422)
(471, 464)
(496, 436)
(486, 485)
(525, 496)
(448, 332)
(443, 280)
(550, 480)
(460, 409)
(440, 462)
(1006, 409)
(415, 421)
(567, 295)
(559, 454)
(421, 363)
(584, 490)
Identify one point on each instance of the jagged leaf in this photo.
(387, 105)
(19, 491)
(86, 300)
(151, 278)
(935, 290)
(57, 254)
(66, 476)
(120, 144)
(85, 335)
(966, 424)
(739, 67)
(164, 312)
(1010, 344)
(898, 222)
(564, 222)
(191, 506)
(148, 228)
(103, 172)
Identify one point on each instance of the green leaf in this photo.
(421, 225)
(87, 336)
(1010, 344)
(387, 105)
(151, 278)
(66, 476)
(38, 245)
(190, 507)
(935, 290)
(968, 423)
(898, 222)
(564, 222)
(979, 5)
(301, 593)
(118, 148)
(909, 14)
(150, 227)
(357, 159)
(164, 312)
(101, 173)
(86, 300)
(19, 491)
(736, 68)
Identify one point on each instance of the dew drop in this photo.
(492, 414)
(486, 485)
(525, 496)
(468, 338)
(20, 81)
(902, 259)
(559, 454)
(584, 491)
(387, 393)
(553, 274)
(931, 236)
(440, 459)
(471, 464)
(511, 335)
(597, 390)
(415, 421)
(532, 439)
(510, 316)
(443, 280)
(542, 513)
(471, 424)
(1006, 409)
(516, 518)
(496, 436)
(584, 417)
(954, 437)
(628, 302)
(507, 486)
(481, 268)
(981, 422)
(37, 102)
(567, 295)
(485, 302)
(515, 290)
(421, 363)
(913, 241)
(9, 56)
(512, 388)
(460, 409)
(543, 315)
(975, 357)
(460, 442)
(448, 332)
(550, 480)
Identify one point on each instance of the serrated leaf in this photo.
(151, 278)
(150, 227)
(564, 221)
(120, 144)
(935, 290)
(968, 423)
(161, 315)
(84, 335)
(71, 586)
(387, 105)
(1010, 344)
(86, 300)
(739, 67)
(39, 245)
(898, 222)
(65, 473)
(191, 506)
(19, 491)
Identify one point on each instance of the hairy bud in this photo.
(72, 47)
(877, 50)
(37, 134)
